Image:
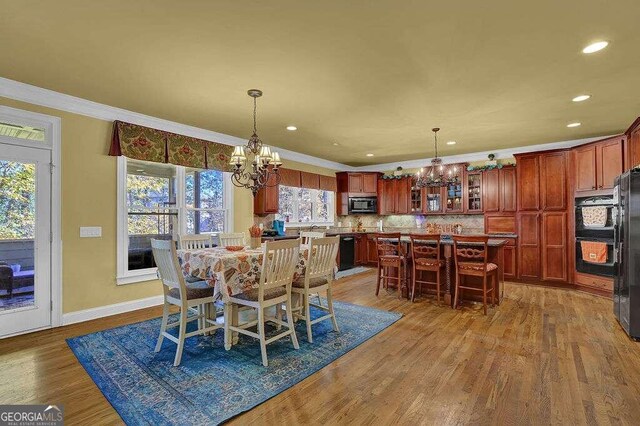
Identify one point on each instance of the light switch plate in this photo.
(90, 231)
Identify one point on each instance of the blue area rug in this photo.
(212, 385)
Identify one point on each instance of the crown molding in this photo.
(479, 156)
(48, 98)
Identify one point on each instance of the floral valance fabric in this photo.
(147, 144)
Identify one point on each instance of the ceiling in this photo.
(373, 77)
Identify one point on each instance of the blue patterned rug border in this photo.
(130, 413)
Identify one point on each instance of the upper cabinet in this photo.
(499, 190)
(553, 181)
(394, 196)
(474, 192)
(633, 145)
(528, 178)
(508, 189)
(267, 200)
(358, 184)
(597, 164)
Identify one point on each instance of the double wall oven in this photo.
(595, 233)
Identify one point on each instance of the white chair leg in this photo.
(294, 338)
(333, 314)
(307, 315)
(163, 325)
(227, 322)
(263, 339)
(182, 332)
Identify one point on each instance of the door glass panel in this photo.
(22, 132)
(17, 234)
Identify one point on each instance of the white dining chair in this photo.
(274, 289)
(318, 277)
(177, 292)
(307, 236)
(231, 239)
(194, 241)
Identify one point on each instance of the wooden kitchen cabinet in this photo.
(585, 174)
(508, 189)
(528, 179)
(491, 190)
(598, 164)
(372, 251)
(633, 145)
(267, 200)
(529, 246)
(554, 246)
(361, 249)
(358, 184)
(394, 196)
(473, 192)
(543, 205)
(609, 158)
(553, 181)
(510, 259)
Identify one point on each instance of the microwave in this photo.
(362, 205)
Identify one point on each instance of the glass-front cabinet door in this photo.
(416, 197)
(454, 197)
(433, 200)
(474, 192)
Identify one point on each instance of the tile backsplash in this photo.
(470, 223)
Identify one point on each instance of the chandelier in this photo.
(263, 169)
(438, 174)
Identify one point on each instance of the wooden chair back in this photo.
(278, 265)
(389, 248)
(322, 257)
(194, 241)
(425, 246)
(307, 236)
(470, 249)
(231, 239)
(169, 270)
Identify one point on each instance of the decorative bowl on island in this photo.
(234, 248)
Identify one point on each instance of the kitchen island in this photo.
(495, 255)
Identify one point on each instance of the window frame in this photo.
(123, 274)
(296, 223)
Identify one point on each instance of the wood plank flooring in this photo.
(546, 355)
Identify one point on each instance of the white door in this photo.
(25, 239)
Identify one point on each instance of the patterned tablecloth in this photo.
(229, 272)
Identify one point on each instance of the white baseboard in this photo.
(105, 311)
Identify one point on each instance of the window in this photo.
(306, 206)
(161, 201)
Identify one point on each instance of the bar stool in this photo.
(425, 256)
(390, 255)
(470, 256)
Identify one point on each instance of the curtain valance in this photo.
(158, 146)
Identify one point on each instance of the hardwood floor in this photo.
(546, 355)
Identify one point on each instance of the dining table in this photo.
(230, 272)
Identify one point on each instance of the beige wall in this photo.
(89, 199)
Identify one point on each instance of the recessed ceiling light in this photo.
(581, 98)
(336, 144)
(451, 143)
(292, 128)
(369, 155)
(576, 124)
(595, 47)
